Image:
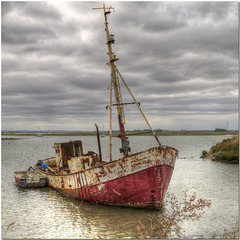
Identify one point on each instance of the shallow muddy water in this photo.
(46, 213)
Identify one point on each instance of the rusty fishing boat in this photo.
(134, 180)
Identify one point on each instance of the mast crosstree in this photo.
(114, 84)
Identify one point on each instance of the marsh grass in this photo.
(233, 234)
(166, 223)
(227, 150)
(9, 227)
(11, 138)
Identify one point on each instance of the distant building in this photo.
(220, 130)
(158, 130)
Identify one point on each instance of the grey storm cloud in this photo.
(180, 60)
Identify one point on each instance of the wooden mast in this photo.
(115, 85)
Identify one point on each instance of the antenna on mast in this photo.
(104, 8)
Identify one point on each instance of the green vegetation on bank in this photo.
(11, 138)
(227, 151)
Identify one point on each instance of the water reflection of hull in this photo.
(139, 180)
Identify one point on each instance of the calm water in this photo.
(45, 213)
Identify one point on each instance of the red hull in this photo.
(138, 193)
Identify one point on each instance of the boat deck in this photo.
(29, 179)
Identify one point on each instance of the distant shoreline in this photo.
(174, 133)
(11, 138)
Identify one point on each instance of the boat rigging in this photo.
(114, 84)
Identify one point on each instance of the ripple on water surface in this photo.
(45, 213)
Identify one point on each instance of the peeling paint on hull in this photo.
(142, 189)
(139, 180)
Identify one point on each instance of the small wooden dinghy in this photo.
(29, 179)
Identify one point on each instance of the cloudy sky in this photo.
(178, 58)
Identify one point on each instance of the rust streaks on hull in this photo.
(138, 180)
